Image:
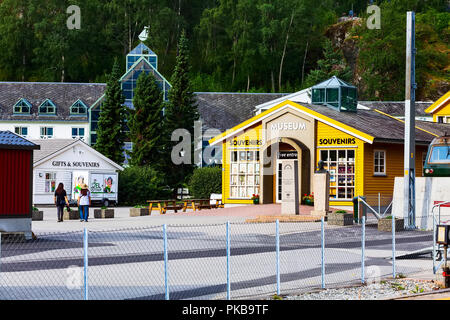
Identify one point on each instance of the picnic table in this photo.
(163, 205)
(198, 204)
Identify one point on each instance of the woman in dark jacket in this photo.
(60, 201)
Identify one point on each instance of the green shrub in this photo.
(139, 184)
(341, 211)
(205, 181)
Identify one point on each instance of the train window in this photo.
(440, 154)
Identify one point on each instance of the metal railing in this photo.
(437, 250)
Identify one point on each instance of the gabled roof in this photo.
(367, 125)
(52, 147)
(441, 102)
(397, 108)
(223, 110)
(62, 94)
(10, 140)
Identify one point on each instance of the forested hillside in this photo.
(236, 45)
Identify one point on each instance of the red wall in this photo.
(15, 182)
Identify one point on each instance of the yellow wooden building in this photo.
(441, 109)
(362, 150)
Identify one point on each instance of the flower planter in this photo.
(308, 202)
(103, 213)
(137, 212)
(72, 215)
(386, 224)
(37, 215)
(255, 201)
(340, 219)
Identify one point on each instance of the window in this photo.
(440, 119)
(22, 106)
(379, 158)
(50, 182)
(47, 107)
(22, 131)
(77, 133)
(439, 154)
(341, 166)
(244, 178)
(46, 133)
(78, 108)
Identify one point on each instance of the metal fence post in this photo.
(277, 241)
(166, 256)
(86, 264)
(393, 246)
(322, 221)
(363, 244)
(228, 260)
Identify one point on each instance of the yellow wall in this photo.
(325, 131)
(394, 167)
(443, 111)
(253, 133)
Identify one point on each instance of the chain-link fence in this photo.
(215, 261)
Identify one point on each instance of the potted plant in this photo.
(37, 215)
(308, 199)
(255, 199)
(103, 213)
(139, 210)
(385, 224)
(340, 218)
(71, 214)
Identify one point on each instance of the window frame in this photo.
(254, 162)
(27, 104)
(46, 112)
(21, 131)
(46, 135)
(78, 113)
(78, 136)
(375, 173)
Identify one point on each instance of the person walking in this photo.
(84, 201)
(61, 201)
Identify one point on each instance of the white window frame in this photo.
(45, 135)
(49, 181)
(375, 173)
(256, 172)
(20, 130)
(349, 164)
(77, 136)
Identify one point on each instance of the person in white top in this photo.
(84, 201)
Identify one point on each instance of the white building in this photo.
(73, 162)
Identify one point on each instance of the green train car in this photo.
(437, 163)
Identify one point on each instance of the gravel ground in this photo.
(375, 291)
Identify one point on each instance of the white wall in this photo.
(61, 130)
(428, 190)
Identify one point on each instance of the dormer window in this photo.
(47, 107)
(22, 106)
(336, 94)
(78, 108)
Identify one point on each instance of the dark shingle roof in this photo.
(222, 111)
(9, 140)
(397, 108)
(379, 126)
(63, 95)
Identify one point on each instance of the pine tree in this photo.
(111, 123)
(145, 122)
(332, 64)
(180, 112)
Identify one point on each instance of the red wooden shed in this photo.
(16, 183)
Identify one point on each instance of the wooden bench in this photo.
(163, 205)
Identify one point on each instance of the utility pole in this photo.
(409, 207)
